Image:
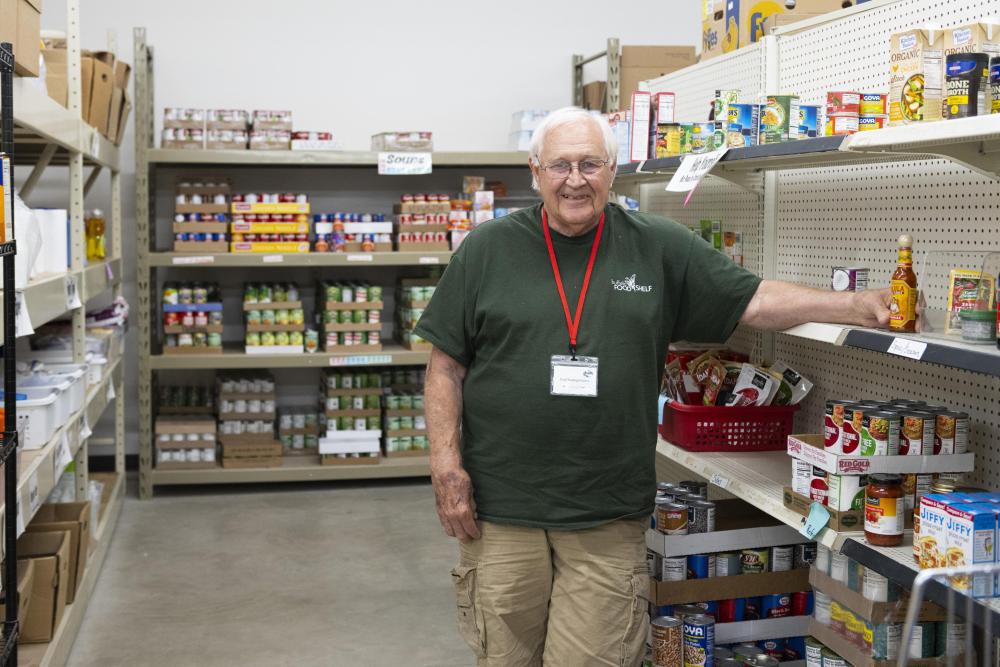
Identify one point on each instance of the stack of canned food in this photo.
(409, 309)
(338, 396)
(299, 431)
(901, 427)
(301, 235)
(850, 112)
(687, 639)
(192, 295)
(277, 317)
(331, 234)
(414, 425)
(185, 447)
(336, 310)
(177, 398)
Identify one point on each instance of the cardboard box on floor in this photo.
(641, 63)
(20, 24)
(50, 554)
(75, 519)
(25, 581)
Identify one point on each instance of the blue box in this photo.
(808, 121)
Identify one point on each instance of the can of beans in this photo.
(922, 642)
(728, 564)
(671, 518)
(777, 605)
(832, 659)
(837, 412)
(673, 569)
(916, 436)
(755, 561)
(701, 516)
(782, 558)
(814, 652)
(700, 566)
(732, 610)
(699, 641)
(667, 641)
(880, 433)
(804, 556)
(951, 433)
(802, 603)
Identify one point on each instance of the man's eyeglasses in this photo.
(563, 169)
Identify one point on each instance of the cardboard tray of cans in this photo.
(201, 208)
(281, 208)
(277, 305)
(414, 303)
(249, 396)
(186, 409)
(184, 425)
(410, 432)
(274, 328)
(423, 246)
(354, 413)
(858, 658)
(334, 460)
(424, 345)
(185, 465)
(420, 228)
(179, 329)
(350, 326)
(201, 246)
(722, 588)
(236, 446)
(407, 454)
(353, 305)
(409, 412)
(853, 520)
(367, 391)
(810, 448)
(246, 416)
(870, 610)
(181, 351)
(270, 227)
(202, 185)
(352, 349)
(278, 247)
(200, 228)
(355, 246)
(314, 430)
(738, 525)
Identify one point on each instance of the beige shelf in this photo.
(390, 355)
(355, 259)
(95, 278)
(293, 470)
(57, 651)
(327, 158)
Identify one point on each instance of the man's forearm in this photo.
(779, 305)
(443, 408)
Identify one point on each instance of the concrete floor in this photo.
(332, 574)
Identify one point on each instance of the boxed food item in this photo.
(916, 59)
(25, 582)
(714, 38)
(226, 139)
(641, 111)
(182, 138)
(403, 141)
(49, 552)
(621, 126)
(970, 39)
(56, 70)
(752, 14)
(972, 538)
(808, 121)
(74, 518)
(184, 118)
(779, 119)
(313, 141)
(98, 72)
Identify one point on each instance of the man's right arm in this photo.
(452, 486)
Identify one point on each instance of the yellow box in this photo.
(279, 247)
(243, 207)
(270, 227)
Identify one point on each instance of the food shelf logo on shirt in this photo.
(629, 285)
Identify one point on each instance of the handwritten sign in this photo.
(815, 522)
(692, 170)
(903, 347)
(719, 481)
(404, 164)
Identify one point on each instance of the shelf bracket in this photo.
(91, 179)
(36, 173)
(750, 181)
(979, 157)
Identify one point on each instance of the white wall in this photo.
(356, 68)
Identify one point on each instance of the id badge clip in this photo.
(574, 376)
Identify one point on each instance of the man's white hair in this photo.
(567, 116)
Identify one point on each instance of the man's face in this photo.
(576, 199)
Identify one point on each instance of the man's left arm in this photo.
(778, 305)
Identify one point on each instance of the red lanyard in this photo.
(572, 324)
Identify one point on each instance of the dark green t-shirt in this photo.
(559, 461)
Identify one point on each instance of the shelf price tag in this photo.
(108, 271)
(34, 497)
(111, 389)
(362, 360)
(72, 293)
(404, 164)
(904, 347)
(95, 144)
(85, 430)
(719, 481)
(22, 320)
(194, 259)
(694, 168)
(63, 456)
(272, 259)
(429, 260)
(815, 522)
(365, 257)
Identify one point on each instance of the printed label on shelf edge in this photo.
(63, 456)
(85, 430)
(694, 168)
(108, 271)
(196, 259)
(429, 260)
(404, 164)
(815, 522)
(355, 257)
(361, 360)
(719, 481)
(95, 144)
(272, 259)
(111, 389)
(904, 347)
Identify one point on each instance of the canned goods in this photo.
(768, 659)
(951, 433)
(802, 603)
(671, 518)
(877, 588)
(673, 569)
(744, 652)
(804, 555)
(916, 436)
(880, 433)
(732, 610)
(835, 416)
(700, 566)
(728, 564)
(855, 575)
(822, 607)
(832, 659)
(822, 562)
(755, 561)
(722, 653)
(838, 567)
(782, 559)
(777, 605)
(699, 641)
(667, 641)
(701, 516)
(923, 641)
(683, 611)
(886, 639)
(814, 652)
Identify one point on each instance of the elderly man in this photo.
(550, 328)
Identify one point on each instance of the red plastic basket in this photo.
(698, 428)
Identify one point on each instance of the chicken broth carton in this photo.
(972, 537)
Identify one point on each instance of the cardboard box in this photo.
(184, 425)
(810, 448)
(50, 554)
(25, 582)
(73, 518)
(98, 70)
(56, 74)
(753, 14)
(839, 521)
(20, 23)
(641, 63)
(714, 38)
(876, 612)
(722, 588)
(595, 95)
(972, 535)
(916, 71)
(738, 525)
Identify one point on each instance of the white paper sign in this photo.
(273, 259)
(360, 258)
(903, 347)
(72, 293)
(95, 144)
(85, 431)
(20, 519)
(429, 260)
(109, 271)
(694, 168)
(719, 481)
(404, 164)
(195, 259)
(111, 389)
(34, 497)
(22, 324)
(63, 456)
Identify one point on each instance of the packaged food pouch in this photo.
(794, 387)
(733, 370)
(710, 373)
(753, 387)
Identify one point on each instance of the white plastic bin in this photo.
(37, 417)
(71, 385)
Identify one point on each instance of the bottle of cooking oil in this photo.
(94, 226)
(903, 311)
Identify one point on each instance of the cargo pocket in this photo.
(634, 638)
(469, 624)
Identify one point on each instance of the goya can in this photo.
(880, 433)
(755, 561)
(667, 641)
(916, 437)
(699, 641)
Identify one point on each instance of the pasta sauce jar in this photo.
(884, 510)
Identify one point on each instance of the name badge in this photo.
(574, 377)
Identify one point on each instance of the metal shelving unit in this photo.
(154, 263)
(613, 54)
(45, 135)
(806, 206)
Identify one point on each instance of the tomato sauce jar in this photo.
(884, 510)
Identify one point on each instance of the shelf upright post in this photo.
(10, 629)
(116, 244)
(577, 80)
(144, 275)
(613, 88)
